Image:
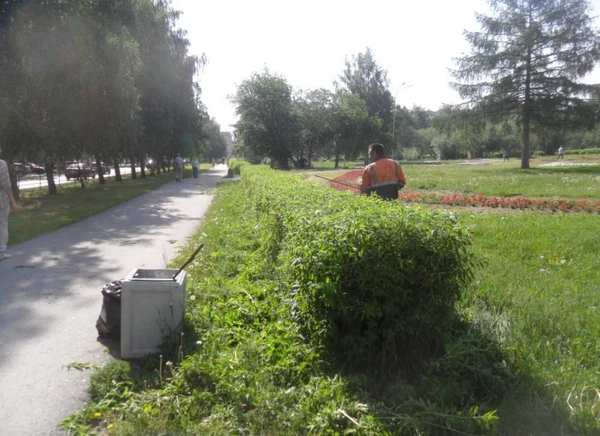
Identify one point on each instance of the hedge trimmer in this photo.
(335, 181)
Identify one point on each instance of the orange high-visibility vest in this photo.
(384, 177)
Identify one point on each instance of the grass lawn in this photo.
(508, 179)
(524, 360)
(42, 213)
(496, 178)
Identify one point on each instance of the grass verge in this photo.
(42, 213)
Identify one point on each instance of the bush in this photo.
(538, 153)
(445, 149)
(583, 151)
(368, 277)
(410, 154)
(236, 164)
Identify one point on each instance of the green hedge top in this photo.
(366, 275)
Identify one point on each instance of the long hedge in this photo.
(368, 278)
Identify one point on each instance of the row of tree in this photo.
(105, 80)
(521, 84)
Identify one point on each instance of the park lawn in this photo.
(537, 296)
(42, 213)
(494, 178)
(507, 179)
(530, 340)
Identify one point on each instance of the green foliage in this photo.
(267, 125)
(316, 111)
(107, 378)
(368, 276)
(508, 72)
(535, 153)
(583, 151)
(410, 154)
(237, 164)
(94, 79)
(365, 78)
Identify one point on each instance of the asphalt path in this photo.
(50, 298)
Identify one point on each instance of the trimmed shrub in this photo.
(538, 153)
(368, 278)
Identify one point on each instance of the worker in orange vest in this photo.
(383, 177)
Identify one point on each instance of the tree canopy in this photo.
(100, 80)
(526, 62)
(267, 126)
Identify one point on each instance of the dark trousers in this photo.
(195, 170)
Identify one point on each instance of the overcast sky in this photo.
(307, 42)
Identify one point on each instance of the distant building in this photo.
(228, 138)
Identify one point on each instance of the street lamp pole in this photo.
(402, 86)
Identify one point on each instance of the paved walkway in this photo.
(50, 298)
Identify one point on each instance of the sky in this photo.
(307, 42)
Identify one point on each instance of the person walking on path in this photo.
(505, 155)
(179, 163)
(383, 177)
(195, 165)
(7, 201)
(561, 153)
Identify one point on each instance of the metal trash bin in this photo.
(152, 307)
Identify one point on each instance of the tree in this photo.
(364, 77)
(315, 110)
(354, 128)
(46, 104)
(267, 125)
(212, 145)
(526, 62)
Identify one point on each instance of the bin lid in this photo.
(152, 274)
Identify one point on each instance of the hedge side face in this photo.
(367, 277)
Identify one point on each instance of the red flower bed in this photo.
(341, 183)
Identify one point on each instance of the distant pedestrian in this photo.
(469, 155)
(178, 168)
(7, 201)
(505, 155)
(195, 165)
(561, 153)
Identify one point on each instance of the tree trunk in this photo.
(49, 167)
(100, 170)
(14, 185)
(118, 176)
(527, 108)
(133, 171)
(142, 168)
